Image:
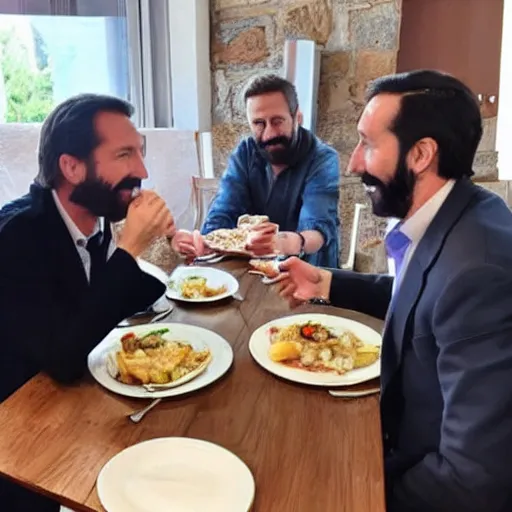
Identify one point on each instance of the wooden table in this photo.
(307, 450)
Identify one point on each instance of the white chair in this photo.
(203, 193)
(354, 237)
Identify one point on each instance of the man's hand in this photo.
(300, 281)
(262, 239)
(148, 218)
(189, 244)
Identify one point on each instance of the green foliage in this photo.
(29, 90)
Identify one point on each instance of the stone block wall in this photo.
(359, 40)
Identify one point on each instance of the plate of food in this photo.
(176, 474)
(234, 241)
(321, 350)
(200, 284)
(159, 360)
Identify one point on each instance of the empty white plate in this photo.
(176, 474)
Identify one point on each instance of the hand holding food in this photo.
(262, 239)
(189, 244)
(148, 218)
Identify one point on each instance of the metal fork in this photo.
(138, 415)
(346, 393)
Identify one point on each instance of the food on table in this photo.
(196, 287)
(249, 221)
(152, 359)
(234, 240)
(315, 348)
(269, 268)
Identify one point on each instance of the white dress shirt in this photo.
(79, 239)
(416, 226)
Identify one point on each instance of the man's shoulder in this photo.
(19, 219)
(245, 147)
(322, 152)
(484, 230)
(322, 148)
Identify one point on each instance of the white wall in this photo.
(171, 161)
(504, 131)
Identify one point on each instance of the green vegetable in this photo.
(155, 333)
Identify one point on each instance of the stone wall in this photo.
(359, 41)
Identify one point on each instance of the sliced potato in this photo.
(368, 349)
(365, 359)
(285, 351)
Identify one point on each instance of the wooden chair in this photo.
(203, 193)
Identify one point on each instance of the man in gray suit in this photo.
(446, 380)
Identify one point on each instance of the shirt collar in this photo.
(78, 237)
(416, 226)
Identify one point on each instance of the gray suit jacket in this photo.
(446, 398)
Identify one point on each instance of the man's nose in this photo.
(140, 170)
(269, 133)
(356, 163)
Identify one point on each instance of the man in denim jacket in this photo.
(282, 171)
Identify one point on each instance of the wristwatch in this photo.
(318, 301)
(302, 244)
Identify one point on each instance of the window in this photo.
(52, 50)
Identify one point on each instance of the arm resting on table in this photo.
(54, 335)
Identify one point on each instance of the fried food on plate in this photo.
(153, 359)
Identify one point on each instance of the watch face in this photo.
(319, 301)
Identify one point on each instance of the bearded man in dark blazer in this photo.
(64, 283)
(446, 378)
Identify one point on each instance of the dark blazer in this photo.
(51, 316)
(446, 381)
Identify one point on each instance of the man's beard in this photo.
(393, 199)
(102, 199)
(279, 155)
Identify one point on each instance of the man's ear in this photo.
(300, 118)
(422, 155)
(73, 170)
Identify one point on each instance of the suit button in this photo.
(386, 436)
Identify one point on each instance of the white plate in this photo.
(175, 474)
(215, 278)
(260, 342)
(153, 270)
(222, 358)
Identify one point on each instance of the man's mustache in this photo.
(371, 181)
(281, 139)
(128, 183)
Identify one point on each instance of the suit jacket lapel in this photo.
(409, 293)
(63, 257)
